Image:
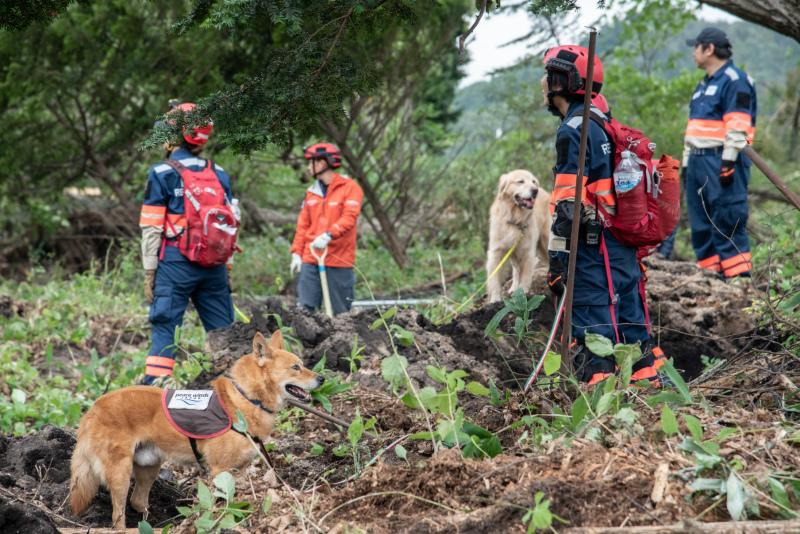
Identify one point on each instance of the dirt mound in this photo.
(692, 311)
(37, 468)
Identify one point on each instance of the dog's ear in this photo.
(260, 347)
(276, 341)
(505, 181)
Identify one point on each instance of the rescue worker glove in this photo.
(322, 241)
(557, 276)
(726, 173)
(297, 263)
(149, 284)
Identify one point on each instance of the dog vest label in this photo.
(189, 399)
(196, 413)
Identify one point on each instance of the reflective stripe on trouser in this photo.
(341, 281)
(177, 281)
(719, 229)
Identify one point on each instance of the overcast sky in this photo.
(497, 29)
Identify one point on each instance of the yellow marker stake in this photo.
(243, 316)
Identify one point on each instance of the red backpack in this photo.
(647, 214)
(211, 227)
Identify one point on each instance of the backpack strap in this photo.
(177, 166)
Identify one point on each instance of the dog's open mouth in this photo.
(526, 203)
(299, 392)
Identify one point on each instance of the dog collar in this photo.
(257, 403)
(518, 227)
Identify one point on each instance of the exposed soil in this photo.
(588, 484)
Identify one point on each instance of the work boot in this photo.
(648, 367)
(591, 368)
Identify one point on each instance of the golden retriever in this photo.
(127, 433)
(521, 206)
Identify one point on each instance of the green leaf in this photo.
(241, 422)
(495, 322)
(204, 495)
(677, 379)
(694, 426)
(736, 497)
(669, 423)
(599, 345)
(323, 400)
(405, 337)
(377, 323)
(392, 369)
(18, 396)
(534, 302)
(225, 483)
(317, 449)
(389, 313)
(356, 429)
(520, 301)
(184, 511)
(495, 395)
(320, 365)
(266, 504)
(605, 401)
(410, 400)
(708, 484)
(145, 528)
(436, 373)
(579, 410)
(781, 498)
(228, 521)
(477, 389)
(492, 446)
(705, 457)
(474, 430)
(552, 363)
(725, 433)
(401, 452)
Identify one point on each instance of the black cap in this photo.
(710, 36)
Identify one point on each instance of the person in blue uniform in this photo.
(606, 298)
(722, 120)
(171, 279)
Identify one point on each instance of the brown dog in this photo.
(127, 433)
(520, 206)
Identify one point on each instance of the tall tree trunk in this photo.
(782, 16)
(389, 237)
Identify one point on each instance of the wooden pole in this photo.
(335, 420)
(790, 195)
(566, 329)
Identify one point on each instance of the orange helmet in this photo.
(326, 151)
(574, 62)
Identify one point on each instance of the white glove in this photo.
(321, 241)
(297, 263)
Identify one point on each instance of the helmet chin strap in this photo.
(327, 166)
(551, 107)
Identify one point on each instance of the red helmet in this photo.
(601, 103)
(574, 62)
(199, 134)
(325, 151)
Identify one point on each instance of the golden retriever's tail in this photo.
(85, 481)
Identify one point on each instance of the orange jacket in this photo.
(336, 213)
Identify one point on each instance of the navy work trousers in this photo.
(341, 281)
(718, 215)
(177, 281)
